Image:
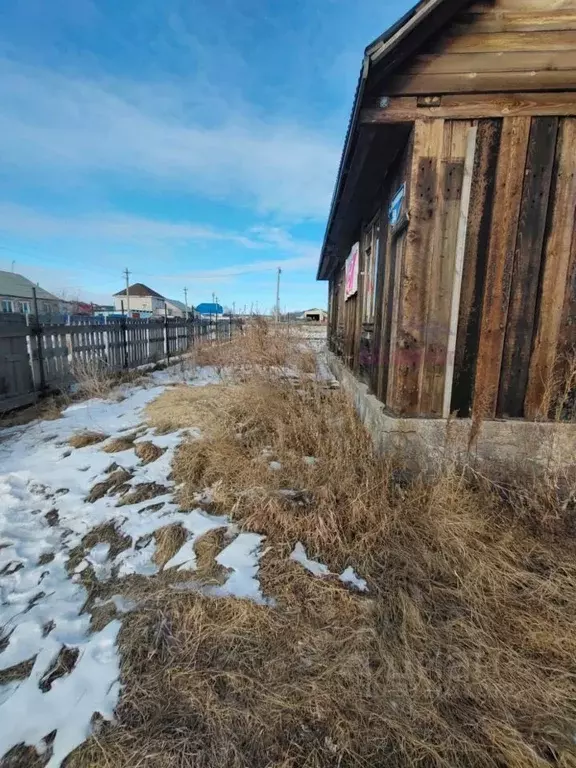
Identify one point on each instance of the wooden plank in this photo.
(536, 5)
(531, 228)
(489, 20)
(563, 40)
(441, 260)
(557, 257)
(482, 82)
(414, 283)
(567, 333)
(459, 266)
(397, 252)
(402, 109)
(494, 61)
(507, 198)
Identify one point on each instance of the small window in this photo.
(371, 244)
(25, 307)
(6, 305)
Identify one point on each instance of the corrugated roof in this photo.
(14, 285)
(209, 309)
(139, 289)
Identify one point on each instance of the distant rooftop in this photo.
(139, 289)
(17, 286)
(210, 309)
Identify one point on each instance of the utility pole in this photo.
(278, 295)
(127, 276)
(186, 302)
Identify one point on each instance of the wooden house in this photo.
(450, 248)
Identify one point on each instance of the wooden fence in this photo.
(36, 358)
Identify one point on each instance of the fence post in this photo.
(37, 332)
(230, 326)
(166, 334)
(124, 336)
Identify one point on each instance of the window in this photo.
(371, 244)
(25, 307)
(6, 305)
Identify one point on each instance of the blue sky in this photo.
(195, 143)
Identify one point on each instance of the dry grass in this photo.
(141, 492)
(262, 345)
(147, 452)
(184, 406)
(118, 444)
(94, 379)
(461, 653)
(208, 571)
(113, 483)
(83, 439)
(168, 541)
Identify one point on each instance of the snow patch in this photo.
(349, 576)
(43, 510)
(299, 556)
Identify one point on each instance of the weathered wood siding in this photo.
(427, 272)
(517, 309)
(502, 46)
(515, 333)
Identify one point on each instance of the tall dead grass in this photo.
(259, 346)
(462, 653)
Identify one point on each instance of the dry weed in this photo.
(461, 653)
(208, 571)
(118, 444)
(261, 344)
(83, 439)
(147, 452)
(142, 492)
(112, 484)
(185, 406)
(168, 541)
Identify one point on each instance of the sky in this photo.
(194, 143)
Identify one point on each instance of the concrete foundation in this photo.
(429, 443)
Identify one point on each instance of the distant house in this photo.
(315, 316)
(146, 302)
(142, 299)
(17, 295)
(178, 309)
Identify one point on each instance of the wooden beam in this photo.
(414, 280)
(494, 61)
(474, 271)
(459, 266)
(557, 258)
(524, 291)
(508, 195)
(488, 19)
(404, 109)
(564, 40)
(482, 82)
(441, 260)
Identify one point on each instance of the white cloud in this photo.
(62, 129)
(112, 232)
(118, 228)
